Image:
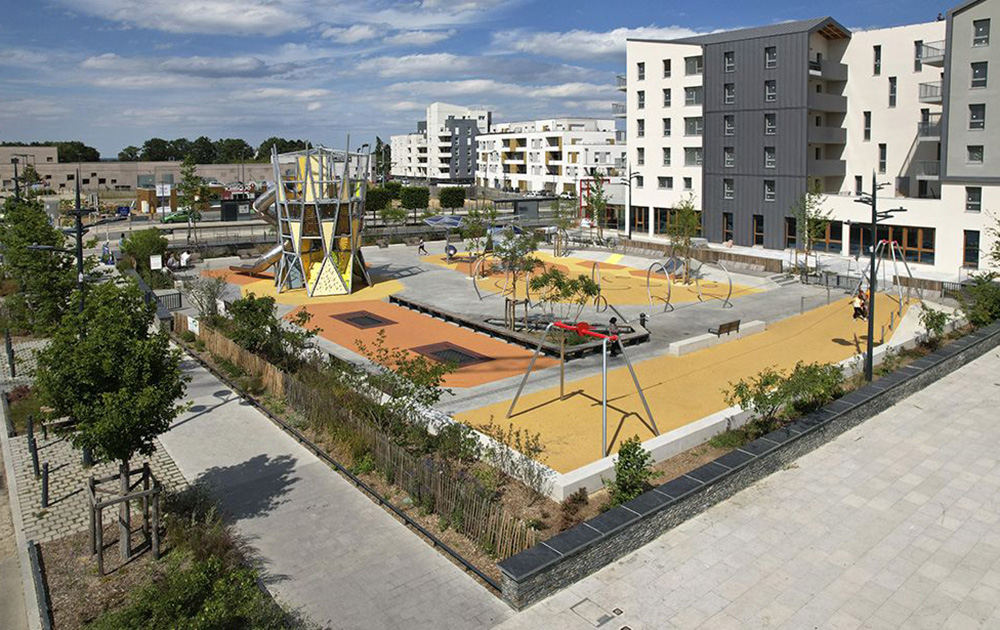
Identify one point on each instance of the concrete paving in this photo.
(892, 525)
(327, 549)
(12, 612)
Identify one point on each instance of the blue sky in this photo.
(115, 72)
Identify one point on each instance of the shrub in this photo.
(457, 442)
(812, 385)
(633, 470)
(143, 244)
(415, 197)
(377, 198)
(452, 197)
(394, 188)
(934, 322)
(807, 388)
(980, 301)
(255, 327)
(570, 508)
(188, 337)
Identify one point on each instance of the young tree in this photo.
(393, 187)
(206, 293)
(811, 220)
(452, 197)
(193, 194)
(685, 222)
(44, 279)
(564, 216)
(475, 229)
(555, 288)
(393, 216)
(29, 176)
(633, 470)
(597, 203)
(377, 198)
(515, 253)
(116, 379)
(143, 245)
(255, 327)
(415, 198)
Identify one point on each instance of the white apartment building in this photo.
(812, 106)
(443, 149)
(551, 155)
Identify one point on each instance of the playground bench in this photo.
(727, 328)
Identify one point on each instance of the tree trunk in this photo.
(124, 514)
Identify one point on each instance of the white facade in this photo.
(443, 149)
(664, 151)
(550, 155)
(409, 156)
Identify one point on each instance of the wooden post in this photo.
(33, 448)
(100, 542)
(93, 522)
(562, 367)
(45, 485)
(31, 427)
(145, 500)
(124, 514)
(156, 519)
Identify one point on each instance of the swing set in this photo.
(882, 250)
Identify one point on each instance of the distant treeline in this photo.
(69, 151)
(204, 150)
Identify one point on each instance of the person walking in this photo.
(421, 250)
(613, 331)
(860, 309)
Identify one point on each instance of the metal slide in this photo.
(260, 265)
(262, 203)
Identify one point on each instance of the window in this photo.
(770, 157)
(688, 183)
(641, 97)
(770, 124)
(979, 71)
(640, 156)
(859, 183)
(694, 126)
(666, 183)
(727, 226)
(758, 229)
(918, 47)
(974, 153)
(883, 152)
(729, 122)
(666, 127)
(666, 156)
(770, 193)
(877, 65)
(973, 199)
(771, 57)
(666, 68)
(770, 90)
(917, 243)
(977, 116)
(728, 189)
(892, 91)
(639, 218)
(729, 59)
(791, 233)
(692, 156)
(693, 95)
(730, 90)
(729, 157)
(693, 65)
(639, 181)
(868, 126)
(981, 32)
(832, 240)
(640, 71)
(666, 97)
(970, 249)
(640, 128)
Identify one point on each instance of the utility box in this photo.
(230, 210)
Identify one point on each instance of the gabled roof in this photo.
(827, 26)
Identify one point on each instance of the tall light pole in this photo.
(872, 200)
(627, 180)
(17, 184)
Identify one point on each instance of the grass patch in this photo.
(23, 402)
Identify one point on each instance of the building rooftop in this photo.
(827, 26)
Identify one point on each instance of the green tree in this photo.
(255, 327)
(555, 288)
(141, 246)
(43, 279)
(116, 379)
(980, 300)
(452, 197)
(129, 154)
(415, 197)
(377, 198)
(29, 176)
(683, 227)
(811, 220)
(934, 323)
(383, 160)
(263, 153)
(597, 203)
(475, 228)
(180, 148)
(155, 150)
(193, 193)
(232, 150)
(202, 150)
(394, 187)
(633, 471)
(564, 216)
(76, 151)
(393, 216)
(515, 253)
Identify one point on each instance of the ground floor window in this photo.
(663, 218)
(758, 229)
(832, 239)
(970, 249)
(916, 243)
(727, 226)
(640, 219)
(791, 233)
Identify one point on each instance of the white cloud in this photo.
(418, 65)
(281, 94)
(584, 45)
(18, 109)
(475, 87)
(353, 34)
(418, 39)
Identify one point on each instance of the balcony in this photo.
(827, 135)
(930, 130)
(929, 170)
(930, 92)
(932, 53)
(828, 70)
(622, 82)
(827, 168)
(618, 110)
(827, 103)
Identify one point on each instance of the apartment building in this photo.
(443, 149)
(810, 105)
(551, 155)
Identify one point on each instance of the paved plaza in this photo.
(895, 524)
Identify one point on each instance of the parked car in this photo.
(181, 216)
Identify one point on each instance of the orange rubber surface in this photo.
(679, 390)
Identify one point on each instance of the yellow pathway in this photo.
(680, 390)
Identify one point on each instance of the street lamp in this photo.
(628, 202)
(17, 185)
(871, 199)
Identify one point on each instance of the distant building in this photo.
(443, 149)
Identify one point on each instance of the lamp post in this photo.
(17, 184)
(627, 180)
(872, 200)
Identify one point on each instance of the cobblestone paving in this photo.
(894, 524)
(24, 363)
(67, 511)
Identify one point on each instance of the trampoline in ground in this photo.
(679, 389)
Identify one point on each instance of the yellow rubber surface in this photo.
(619, 284)
(262, 287)
(679, 390)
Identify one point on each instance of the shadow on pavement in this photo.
(252, 488)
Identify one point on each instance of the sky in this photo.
(116, 72)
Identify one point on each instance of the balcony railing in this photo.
(622, 82)
(618, 110)
(929, 168)
(932, 53)
(828, 70)
(930, 92)
(930, 128)
(827, 135)
(827, 102)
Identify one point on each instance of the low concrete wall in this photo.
(581, 550)
(693, 344)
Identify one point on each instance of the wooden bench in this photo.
(725, 329)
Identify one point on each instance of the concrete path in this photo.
(895, 524)
(328, 549)
(12, 612)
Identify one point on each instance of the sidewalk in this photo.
(892, 525)
(12, 613)
(328, 550)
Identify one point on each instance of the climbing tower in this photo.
(320, 207)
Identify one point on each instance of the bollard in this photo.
(31, 426)
(802, 305)
(9, 347)
(34, 456)
(45, 485)
(87, 458)
(892, 319)
(45, 431)
(828, 295)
